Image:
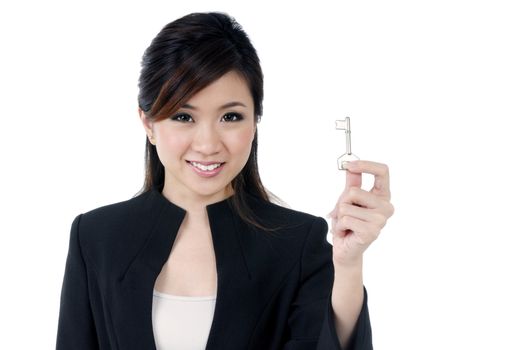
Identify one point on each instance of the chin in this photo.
(209, 193)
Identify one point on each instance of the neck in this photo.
(195, 204)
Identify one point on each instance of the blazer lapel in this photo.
(134, 310)
(251, 267)
(233, 275)
(244, 258)
(134, 299)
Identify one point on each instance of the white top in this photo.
(181, 322)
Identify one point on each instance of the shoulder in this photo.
(301, 238)
(292, 237)
(105, 228)
(291, 220)
(113, 215)
(278, 214)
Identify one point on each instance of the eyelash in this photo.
(177, 117)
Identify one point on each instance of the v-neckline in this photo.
(231, 264)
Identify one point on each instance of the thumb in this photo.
(353, 179)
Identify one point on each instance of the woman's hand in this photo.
(359, 215)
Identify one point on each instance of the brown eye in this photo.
(182, 117)
(232, 117)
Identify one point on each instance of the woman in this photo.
(202, 258)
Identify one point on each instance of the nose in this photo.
(207, 139)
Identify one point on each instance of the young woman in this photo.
(202, 258)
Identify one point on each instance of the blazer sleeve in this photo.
(311, 318)
(76, 327)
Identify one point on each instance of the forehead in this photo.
(228, 88)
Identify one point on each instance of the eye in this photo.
(182, 117)
(232, 117)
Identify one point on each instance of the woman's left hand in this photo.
(359, 215)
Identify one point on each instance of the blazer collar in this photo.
(231, 264)
(224, 225)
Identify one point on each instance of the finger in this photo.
(352, 179)
(380, 171)
(347, 209)
(333, 224)
(333, 213)
(357, 227)
(377, 216)
(362, 198)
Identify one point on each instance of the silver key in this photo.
(348, 156)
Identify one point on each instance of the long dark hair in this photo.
(187, 55)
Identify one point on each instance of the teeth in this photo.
(205, 167)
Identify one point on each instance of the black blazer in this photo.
(273, 292)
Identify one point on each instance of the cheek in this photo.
(240, 143)
(171, 143)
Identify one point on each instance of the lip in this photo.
(204, 163)
(204, 173)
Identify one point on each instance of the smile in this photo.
(207, 167)
(206, 170)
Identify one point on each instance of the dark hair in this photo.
(187, 55)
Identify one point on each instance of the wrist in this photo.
(349, 272)
(353, 264)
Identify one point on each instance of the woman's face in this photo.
(207, 142)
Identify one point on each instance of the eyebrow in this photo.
(227, 105)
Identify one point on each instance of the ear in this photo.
(148, 125)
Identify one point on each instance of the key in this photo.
(348, 156)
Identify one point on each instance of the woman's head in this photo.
(186, 61)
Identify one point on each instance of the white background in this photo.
(435, 89)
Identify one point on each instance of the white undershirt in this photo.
(181, 322)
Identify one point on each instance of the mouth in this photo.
(206, 169)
